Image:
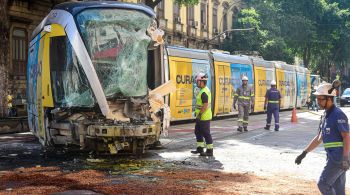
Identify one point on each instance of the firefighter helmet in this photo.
(244, 78)
(202, 77)
(325, 89)
(273, 82)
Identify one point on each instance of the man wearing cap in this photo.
(245, 97)
(334, 133)
(203, 116)
(273, 102)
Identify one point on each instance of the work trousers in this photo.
(273, 110)
(243, 115)
(332, 179)
(202, 130)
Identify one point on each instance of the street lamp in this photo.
(223, 34)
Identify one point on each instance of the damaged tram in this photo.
(87, 77)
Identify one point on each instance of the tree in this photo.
(3, 53)
(314, 30)
(154, 3)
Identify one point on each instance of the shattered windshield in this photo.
(117, 43)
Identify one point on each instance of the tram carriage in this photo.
(91, 66)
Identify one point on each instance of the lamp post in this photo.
(223, 34)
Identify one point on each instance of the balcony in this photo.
(178, 27)
(204, 34)
(163, 23)
(204, 31)
(191, 31)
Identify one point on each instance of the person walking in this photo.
(273, 102)
(245, 97)
(203, 115)
(335, 135)
(314, 105)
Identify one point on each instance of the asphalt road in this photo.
(261, 152)
(257, 151)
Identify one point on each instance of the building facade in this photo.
(188, 26)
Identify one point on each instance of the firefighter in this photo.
(273, 102)
(334, 133)
(203, 117)
(245, 97)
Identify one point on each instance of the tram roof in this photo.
(262, 63)
(284, 66)
(302, 69)
(187, 52)
(222, 57)
(76, 7)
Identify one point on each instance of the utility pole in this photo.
(223, 34)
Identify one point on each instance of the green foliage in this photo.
(187, 2)
(316, 31)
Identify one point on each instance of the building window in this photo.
(224, 21)
(19, 51)
(190, 15)
(225, 15)
(176, 10)
(215, 18)
(203, 14)
(160, 10)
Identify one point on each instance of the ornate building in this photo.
(189, 26)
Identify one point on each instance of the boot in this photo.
(239, 129)
(277, 128)
(208, 152)
(198, 151)
(267, 127)
(245, 129)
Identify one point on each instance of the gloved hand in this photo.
(264, 106)
(198, 118)
(345, 164)
(300, 158)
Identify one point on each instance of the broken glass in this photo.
(117, 43)
(69, 83)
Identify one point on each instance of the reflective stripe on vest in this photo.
(206, 115)
(273, 102)
(244, 97)
(333, 144)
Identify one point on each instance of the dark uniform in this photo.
(332, 180)
(273, 96)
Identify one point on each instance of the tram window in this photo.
(69, 83)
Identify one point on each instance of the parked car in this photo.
(345, 97)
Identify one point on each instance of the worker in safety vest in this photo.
(273, 102)
(245, 97)
(335, 135)
(9, 104)
(203, 115)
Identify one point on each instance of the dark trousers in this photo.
(273, 110)
(332, 180)
(202, 130)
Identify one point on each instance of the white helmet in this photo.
(326, 89)
(244, 78)
(201, 77)
(273, 82)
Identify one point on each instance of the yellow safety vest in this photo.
(207, 114)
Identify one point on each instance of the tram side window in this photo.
(69, 82)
